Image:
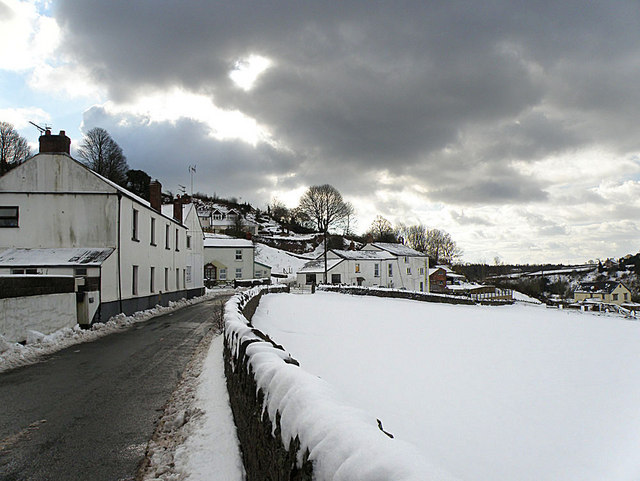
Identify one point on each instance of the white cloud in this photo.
(247, 70)
(20, 117)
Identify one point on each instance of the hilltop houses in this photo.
(603, 292)
(125, 254)
(220, 219)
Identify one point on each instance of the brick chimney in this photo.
(177, 209)
(155, 195)
(54, 144)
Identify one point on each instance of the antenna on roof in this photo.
(182, 189)
(41, 129)
(192, 169)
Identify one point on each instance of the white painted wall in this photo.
(45, 314)
(226, 256)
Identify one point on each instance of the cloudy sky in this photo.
(512, 125)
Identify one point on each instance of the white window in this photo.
(422, 271)
(238, 272)
(134, 281)
(166, 279)
(217, 216)
(406, 259)
(376, 270)
(188, 242)
(134, 226)
(357, 268)
(409, 271)
(223, 274)
(238, 254)
(390, 270)
(188, 279)
(177, 238)
(177, 279)
(153, 232)
(166, 237)
(152, 279)
(184, 278)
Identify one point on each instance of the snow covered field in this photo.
(487, 393)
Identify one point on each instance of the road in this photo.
(87, 412)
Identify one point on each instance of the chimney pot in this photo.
(54, 144)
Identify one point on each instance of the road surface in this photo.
(87, 412)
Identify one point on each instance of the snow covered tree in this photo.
(103, 155)
(14, 148)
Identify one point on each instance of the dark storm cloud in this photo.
(361, 87)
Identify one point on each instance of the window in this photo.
(217, 216)
(80, 272)
(8, 217)
(421, 286)
(357, 267)
(209, 271)
(406, 259)
(152, 279)
(134, 226)
(177, 237)
(188, 278)
(376, 270)
(184, 278)
(188, 242)
(177, 279)
(625, 296)
(223, 274)
(238, 254)
(153, 232)
(335, 279)
(134, 281)
(422, 271)
(390, 270)
(310, 279)
(408, 271)
(166, 237)
(17, 271)
(238, 272)
(29, 270)
(166, 279)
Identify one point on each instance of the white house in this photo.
(395, 266)
(412, 266)
(53, 209)
(221, 219)
(228, 258)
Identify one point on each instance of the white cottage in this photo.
(228, 258)
(52, 205)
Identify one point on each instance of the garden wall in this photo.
(291, 424)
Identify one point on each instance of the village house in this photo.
(380, 265)
(603, 292)
(59, 218)
(438, 279)
(228, 258)
(221, 219)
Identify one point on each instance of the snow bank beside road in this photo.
(14, 355)
(344, 443)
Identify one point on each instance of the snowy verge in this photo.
(342, 442)
(13, 355)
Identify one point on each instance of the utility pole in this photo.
(192, 170)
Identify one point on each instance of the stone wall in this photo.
(398, 294)
(263, 452)
(34, 285)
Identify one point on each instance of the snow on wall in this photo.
(341, 441)
(45, 314)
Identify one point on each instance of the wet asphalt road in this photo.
(87, 412)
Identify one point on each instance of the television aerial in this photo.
(41, 129)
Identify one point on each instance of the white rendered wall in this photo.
(227, 257)
(44, 314)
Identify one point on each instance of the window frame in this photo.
(5, 218)
(135, 227)
(238, 254)
(153, 232)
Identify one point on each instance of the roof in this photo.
(262, 264)
(167, 210)
(227, 242)
(363, 255)
(317, 266)
(398, 249)
(433, 270)
(601, 287)
(72, 256)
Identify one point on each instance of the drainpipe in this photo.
(118, 247)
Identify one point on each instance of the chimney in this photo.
(155, 195)
(54, 144)
(177, 209)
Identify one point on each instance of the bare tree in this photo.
(416, 237)
(437, 244)
(14, 149)
(382, 231)
(349, 221)
(326, 209)
(103, 155)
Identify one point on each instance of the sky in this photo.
(512, 125)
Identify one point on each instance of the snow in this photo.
(344, 442)
(211, 451)
(71, 256)
(14, 355)
(228, 242)
(519, 296)
(281, 262)
(500, 393)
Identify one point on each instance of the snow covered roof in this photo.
(363, 255)
(602, 287)
(317, 266)
(227, 242)
(55, 257)
(397, 249)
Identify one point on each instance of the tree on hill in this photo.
(326, 209)
(381, 230)
(103, 155)
(138, 182)
(14, 149)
